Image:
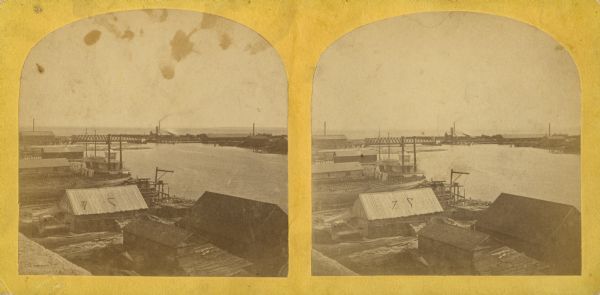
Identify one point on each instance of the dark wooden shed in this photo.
(548, 231)
(452, 244)
(255, 230)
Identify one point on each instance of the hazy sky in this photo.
(422, 72)
(130, 69)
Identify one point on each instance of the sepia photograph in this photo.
(446, 143)
(153, 143)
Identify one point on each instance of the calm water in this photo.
(199, 168)
(494, 169)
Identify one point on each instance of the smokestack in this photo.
(33, 124)
(549, 134)
(325, 128)
(252, 128)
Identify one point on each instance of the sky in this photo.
(422, 72)
(131, 69)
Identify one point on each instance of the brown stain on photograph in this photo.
(208, 21)
(168, 72)
(92, 37)
(181, 45)
(128, 35)
(225, 41)
(157, 15)
(38, 9)
(256, 47)
(40, 68)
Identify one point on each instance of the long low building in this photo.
(44, 167)
(96, 209)
(361, 156)
(337, 171)
(329, 141)
(390, 213)
(67, 152)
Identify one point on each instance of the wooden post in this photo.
(94, 142)
(379, 145)
(108, 155)
(389, 145)
(402, 142)
(85, 155)
(415, 153)
(451, 184)
(121, 152)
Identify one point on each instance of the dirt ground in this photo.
(36, 260)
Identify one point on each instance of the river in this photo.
(200, 167)
(495, 169)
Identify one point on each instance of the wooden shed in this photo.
(548, 231)
(251, 229)
(361, 156)
(162, 248)
(390, 213)
(95, 209)
(452, 244)
(156, 241)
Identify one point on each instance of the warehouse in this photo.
(67, 152)
(548, 231)
(329, 141)
(337, 171)
(96, 209)
(451, 245)
(44, 167)
(390, 213)
(254, 230)
(361, 156)
(27, 138)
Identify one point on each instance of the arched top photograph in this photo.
(131, 125)
(452, 140)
